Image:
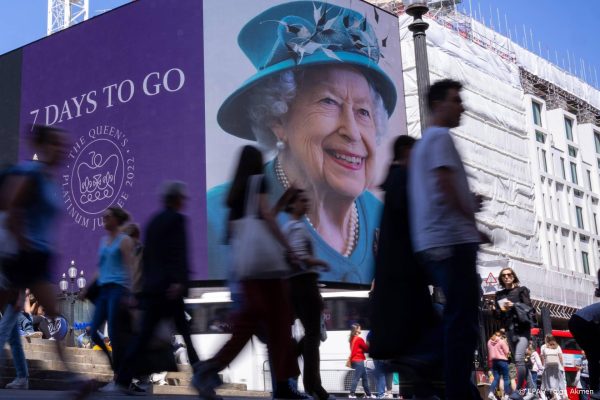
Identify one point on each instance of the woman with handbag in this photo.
(358, 348)
(518, 331)
(113, 281)
(553, 377)
(259, 261)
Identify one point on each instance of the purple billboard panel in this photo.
(128, 86)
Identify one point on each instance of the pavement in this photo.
(7, 394)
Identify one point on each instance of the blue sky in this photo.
(569, 32)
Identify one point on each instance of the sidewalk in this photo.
(6, 394)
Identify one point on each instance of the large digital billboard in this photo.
(171, 89)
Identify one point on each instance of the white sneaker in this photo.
(491, 396)
(351, 396)
(18, 383)
(35, 335)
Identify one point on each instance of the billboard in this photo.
(160, 89)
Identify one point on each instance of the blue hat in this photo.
(302, 34)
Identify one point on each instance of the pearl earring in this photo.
(280, 145)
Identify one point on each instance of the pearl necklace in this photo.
(353, 226)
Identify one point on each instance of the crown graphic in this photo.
(97, 178)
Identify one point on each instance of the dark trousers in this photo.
(109, 305)
(265, 307)
(587, 335)
(155, 307)
(308, 304)
(453, 268)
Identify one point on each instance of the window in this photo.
(562, 167)
(574, 173)
(579, 214)
(595, 224)
(537, 113)
(544, 163)
(540, 137)
(589, 178)
(597, 141)
(569, 128)
(586, 262)
(572, 151)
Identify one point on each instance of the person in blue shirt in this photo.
(114, 279)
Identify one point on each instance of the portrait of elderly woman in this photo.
(319, 103)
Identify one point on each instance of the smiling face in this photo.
(329, 131)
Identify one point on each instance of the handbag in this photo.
(257, 254)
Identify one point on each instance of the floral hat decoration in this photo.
(302, 34)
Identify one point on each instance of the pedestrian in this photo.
(553, 377)
(32, 209)
(584, 377)
(445, 235)
(536, 366)
(115, 257)
(498, 353)
(511, 296)
(306, 299)
(265, 305)
(165, 281)
(585, 327)
(358, 348)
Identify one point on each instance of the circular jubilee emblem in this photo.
(100, 172)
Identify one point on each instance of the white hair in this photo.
(271, 99)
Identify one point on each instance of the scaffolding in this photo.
(65, 13)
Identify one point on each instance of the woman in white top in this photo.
(553, 377)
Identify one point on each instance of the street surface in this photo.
(7, 394)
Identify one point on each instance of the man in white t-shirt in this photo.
(445, 236)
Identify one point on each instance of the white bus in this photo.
(210, 329)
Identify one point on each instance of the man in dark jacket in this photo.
(164, 279)
(397, 331)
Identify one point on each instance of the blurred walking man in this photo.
(445, 236)
(164, 279)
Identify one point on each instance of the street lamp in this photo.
(70, 290)
(416, 9)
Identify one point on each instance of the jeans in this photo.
(9, 332)
(383, 378)
(585, 385)
(518, 345)
(360, 372)
(453, 268)
(500, 368)
(108, 305)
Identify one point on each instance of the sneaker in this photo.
(491, 396)
(134, 387)
(351, 396)
(35, 335)
(110, 387)
(205, 380)
(288, 393)
(18, 383)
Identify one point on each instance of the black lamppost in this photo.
(416, 9)
(70, 289)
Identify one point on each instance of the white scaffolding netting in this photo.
(493, 142)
